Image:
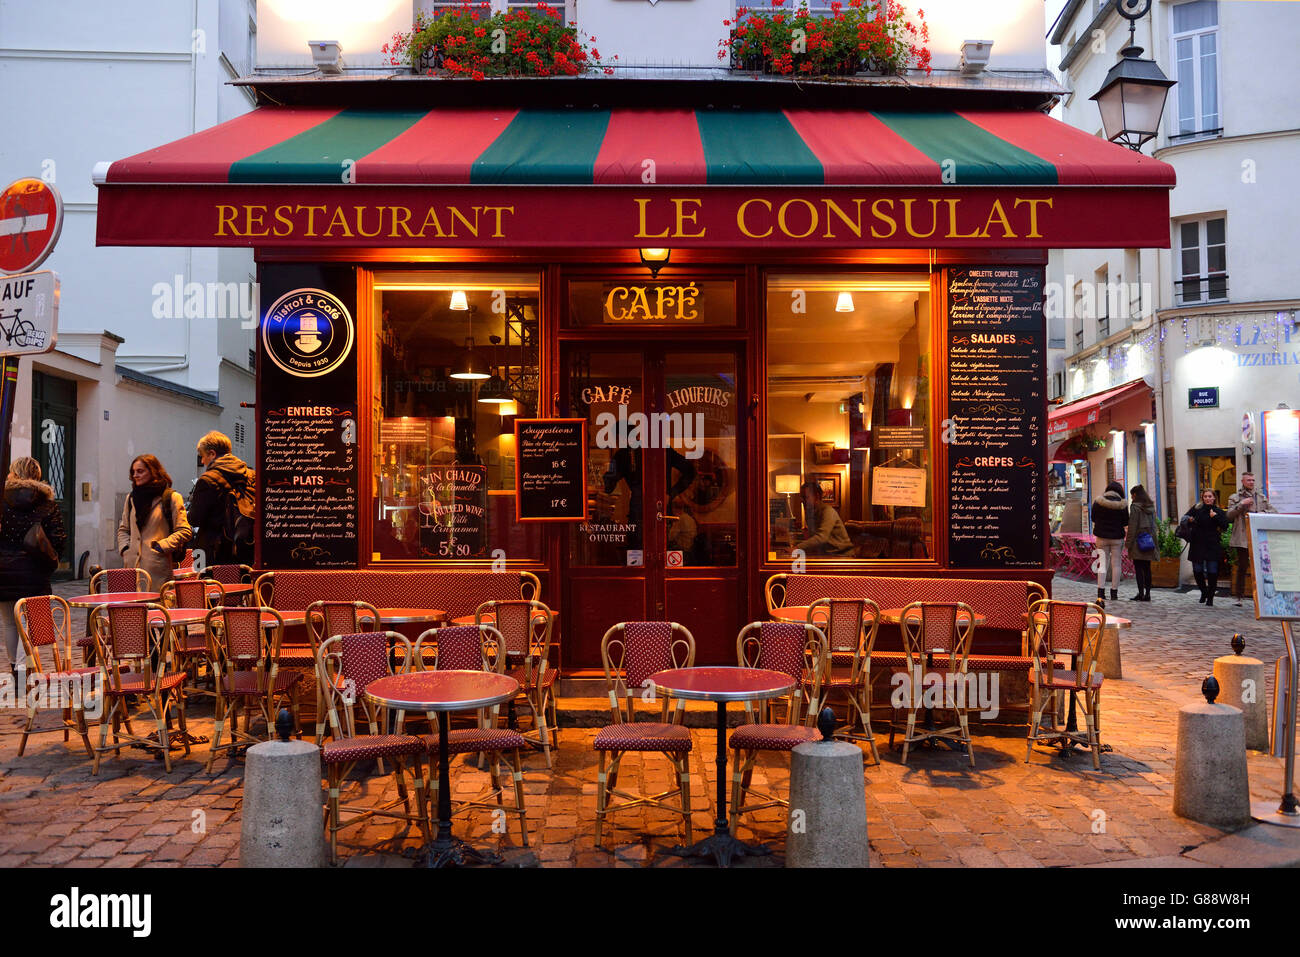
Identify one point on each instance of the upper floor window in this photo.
(1195, 53)
(816, 8)
(434, 8)
(1079, 309)
(1203, 258)
(1103, 302)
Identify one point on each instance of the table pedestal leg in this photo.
(446, 850)
(720, 845)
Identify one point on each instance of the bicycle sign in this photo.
(29, 311)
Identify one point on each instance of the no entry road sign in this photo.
(31, 216)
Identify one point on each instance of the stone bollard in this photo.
(828, 803)
(283, 801)
(1210, 783)
(1109, 660)
(1242, 681)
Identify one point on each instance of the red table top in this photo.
(723, 683)
(490, 619)
(112, 598)
(401, 616)
(894, 615)
(443, 690)
(890, 616)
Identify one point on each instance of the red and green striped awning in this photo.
(316, 176)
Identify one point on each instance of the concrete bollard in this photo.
(1242, 681)
(1210, 783)
(1109, 660)
(828, 805)
(283, 801)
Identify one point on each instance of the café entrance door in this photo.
(665, 497)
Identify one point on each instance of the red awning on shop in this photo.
(1087, 411)
(311, 176)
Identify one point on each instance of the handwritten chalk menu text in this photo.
(309, 487)
(552, 470)
(453, 511)
(997, 403)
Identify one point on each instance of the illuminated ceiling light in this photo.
(844, 302)
(459, 301)
(470, 365)
(495, 392)
(655, 260)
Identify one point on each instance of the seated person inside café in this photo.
(826, 534)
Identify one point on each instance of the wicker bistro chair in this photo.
(106, 580)
(525, 626)
(850, 627)
(229, 574)
(936, 641)
(324, 619)
(40, 629)
(797, 649)
(1073, 629)
(190, 643)
(132, 643)
(346, 665)
(631, 652)
(248, 673)
(475, 648)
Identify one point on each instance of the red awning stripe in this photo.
(856, 148)
(670, 138)
(440, 148)
(1088, 411)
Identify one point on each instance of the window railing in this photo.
(1210, 288)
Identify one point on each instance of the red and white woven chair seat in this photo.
(643, 736)
(245, 683)
(1068, 680)
(520, 674)
(135, 683)
(370, 746)
(296, 656)
(472, 740)
(772, 737)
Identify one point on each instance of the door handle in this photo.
(659, 511)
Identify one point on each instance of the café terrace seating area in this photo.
(391, 688)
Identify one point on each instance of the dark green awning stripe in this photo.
(544, 146)
(979, 158)
(756, 148)
(320, 154)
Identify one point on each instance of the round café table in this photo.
(445, 691)
(888, 616)
(720, 685)
(490, 619)
(108, 598)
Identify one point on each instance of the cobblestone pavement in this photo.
(1051, 811)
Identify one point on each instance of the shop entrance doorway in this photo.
(1216, 469)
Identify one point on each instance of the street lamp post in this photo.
(1132, 97)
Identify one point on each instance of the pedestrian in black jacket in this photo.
(208, 502)
(1109, 519)
(1208, 521)
(27, 501)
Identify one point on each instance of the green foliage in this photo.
(1168, 544)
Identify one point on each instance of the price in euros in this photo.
(559, 463)
(559, 502)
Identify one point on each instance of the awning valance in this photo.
(628, 177)
(1088, 411)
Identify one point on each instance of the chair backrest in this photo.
(774, 591)
(463, 648)
(120, 579)
(45, 621)
(186, 564)
(931, 628)
(1065, 628)
(525, 626)
(238, 640)
(229, 574)
(632, 651)
(794, 648)
(264, 589)
(132, 638)
(850, 626)
(346, 664)
(324, 619)
(192, 593)
(530, 586)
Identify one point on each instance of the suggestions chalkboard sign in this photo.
(552, 470)
(997, 388)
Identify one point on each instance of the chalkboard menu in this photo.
(552, 470)
(997, 386)
(453, 511)
(308, 469)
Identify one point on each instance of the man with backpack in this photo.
(223, 505)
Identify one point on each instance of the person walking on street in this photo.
(1141, 539)
(1242, 502)
(225, 529)
(1109, 519)
(1207, 522)
(25, 563)
(154, 530)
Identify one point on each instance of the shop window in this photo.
(1103, 302)
(849, 420)
(1203, 252)
(444, 455)
(633, 304)
(1195, 40)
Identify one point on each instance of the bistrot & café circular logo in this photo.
(307, 332)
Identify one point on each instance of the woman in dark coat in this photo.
(1141, 518)
(27, 501)
(1109, 519)
(1207, 521)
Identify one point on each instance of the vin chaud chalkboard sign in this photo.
(552, 470)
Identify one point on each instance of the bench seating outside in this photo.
(456, 593)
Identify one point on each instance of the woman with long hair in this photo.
(24, 573)
(1208, 522)
(1141, 526)
(1109, 519)
(154, 526)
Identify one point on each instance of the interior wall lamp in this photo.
(655, 260)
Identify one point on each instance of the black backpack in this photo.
(239, 522)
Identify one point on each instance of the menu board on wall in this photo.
(1282, 459)
(308, 467)
(552, 470)
(997, 386)
(453, 511)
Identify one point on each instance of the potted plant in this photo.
(1169, 550)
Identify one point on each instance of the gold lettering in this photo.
(311, 218)
(952, 222)
(281, 217)
(686, 296)
(431, 219)
(339, 220)
(907, 218)
(641, 225)
(1001, 215)
(361, 231)
(854, 224)
(665, 296)
(498, 210)
(683, 218)
(253, 217)
(639, 301)
(812, 216)
(876, 211)
(1033, 215)
(225, 217)
(457, 214)
(401, 217)
(620, 291)
(740, 219)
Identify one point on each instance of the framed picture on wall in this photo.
(823, 452)
(829, 483)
